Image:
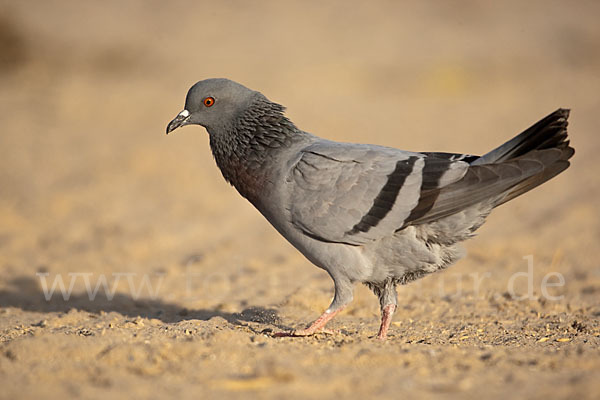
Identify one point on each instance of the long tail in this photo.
(541, 143)
(550, 132)
(519, 165)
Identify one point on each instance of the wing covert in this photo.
(359, 193)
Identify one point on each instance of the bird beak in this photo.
(180, 120)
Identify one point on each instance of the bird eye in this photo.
(209, 101)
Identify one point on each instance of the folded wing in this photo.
(355, 194)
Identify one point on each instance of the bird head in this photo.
(213, 104)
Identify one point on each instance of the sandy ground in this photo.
(91, 189)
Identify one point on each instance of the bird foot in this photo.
(386, 320)
(316, 327)
(305, 332)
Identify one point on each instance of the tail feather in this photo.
(550, 172)
(549, 132)
(549, 135)
(519, 165)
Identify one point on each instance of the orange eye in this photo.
(209, 101)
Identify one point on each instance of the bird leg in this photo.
(388, 299)
(342, 297)
(386, 320)
(317, 326)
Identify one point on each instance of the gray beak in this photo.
(180, 120)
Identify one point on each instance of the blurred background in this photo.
(89, 183)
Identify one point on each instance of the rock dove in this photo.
(365, 213)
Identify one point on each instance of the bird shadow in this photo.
(25, 293)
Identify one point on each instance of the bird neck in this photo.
(246, 151)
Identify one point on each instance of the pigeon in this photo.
(365, 213)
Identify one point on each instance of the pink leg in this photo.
(386, 320)
(317, 326)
